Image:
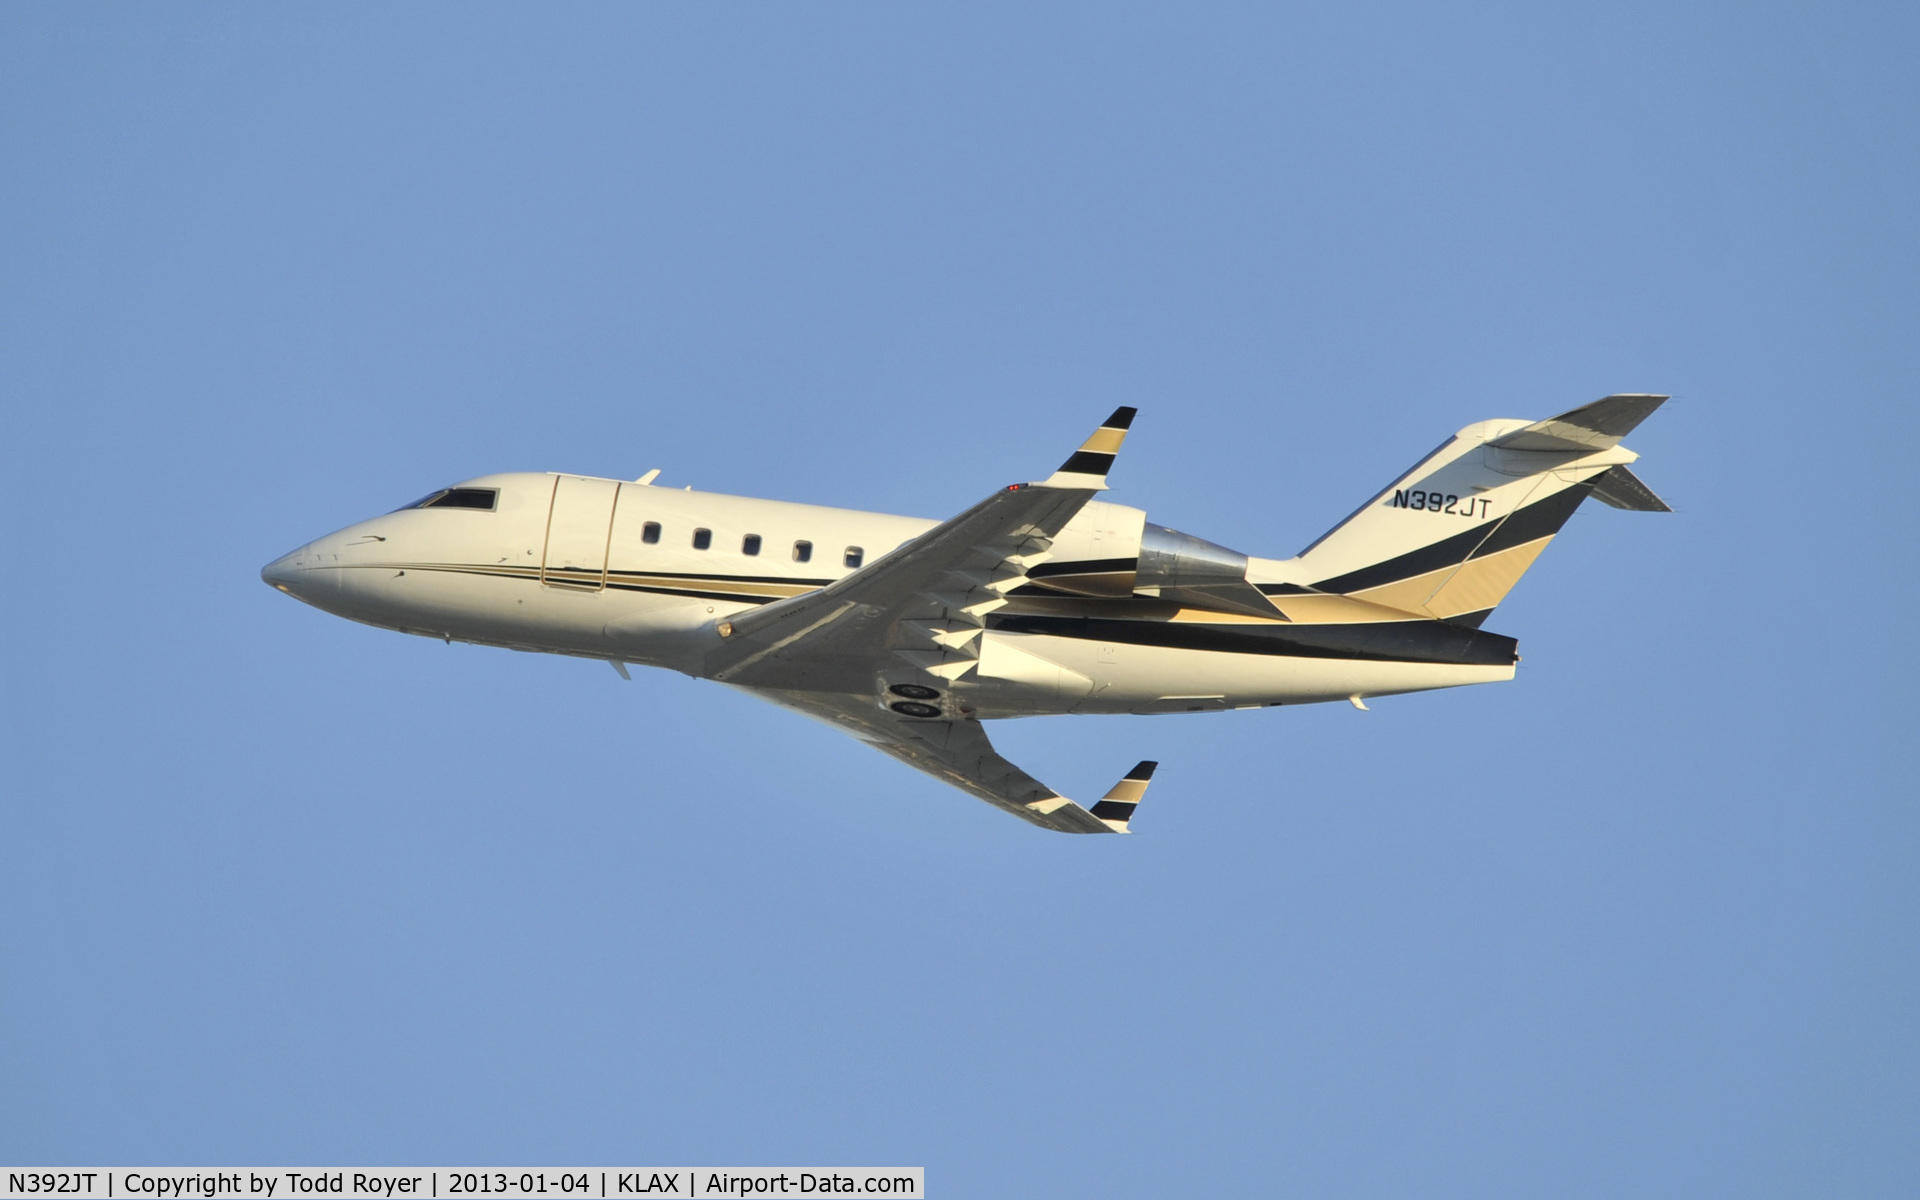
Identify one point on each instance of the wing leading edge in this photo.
(925, 602)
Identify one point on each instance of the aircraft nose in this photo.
(284, 572)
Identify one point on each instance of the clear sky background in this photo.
(276, 888)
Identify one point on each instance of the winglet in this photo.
(1117, 808)
(1090, 463)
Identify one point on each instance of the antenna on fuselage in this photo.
(647, 479)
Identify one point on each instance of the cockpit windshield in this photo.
(481, 499)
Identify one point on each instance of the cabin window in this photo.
(702, 538)
(650, 532)
(478, 499)
(854, 556)
(803, 552)
(750, 544)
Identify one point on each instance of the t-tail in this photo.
(1453, 535)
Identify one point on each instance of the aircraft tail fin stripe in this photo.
(1541, 519)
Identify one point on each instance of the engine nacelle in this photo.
(1196, 572)
(1112, 551)
(1096, 553)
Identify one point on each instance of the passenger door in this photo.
(578, 526)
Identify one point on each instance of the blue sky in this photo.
(281, 889)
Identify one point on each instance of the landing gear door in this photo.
(578, 527)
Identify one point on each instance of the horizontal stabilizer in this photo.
(1596, 426)
(1623, 489)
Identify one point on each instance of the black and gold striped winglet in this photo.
(1116, 809)
(1088, 466)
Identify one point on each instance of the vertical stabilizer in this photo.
(1451, 537)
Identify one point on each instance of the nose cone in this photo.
(281, 572)
(298, 574)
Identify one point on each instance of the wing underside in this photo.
(958, 752)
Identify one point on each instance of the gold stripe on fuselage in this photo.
(580, 577)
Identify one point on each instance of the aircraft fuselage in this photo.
(632, 573)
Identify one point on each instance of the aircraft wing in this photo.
(959, 753)
(921, 610)
(925, 603)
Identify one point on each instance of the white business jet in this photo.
(1040, 599)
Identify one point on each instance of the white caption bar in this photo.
(441, 1183)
